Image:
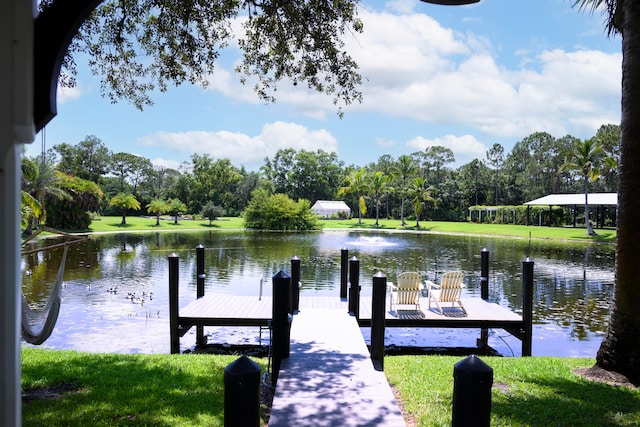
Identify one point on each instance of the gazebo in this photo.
(597, 200)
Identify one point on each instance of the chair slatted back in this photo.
(451, 286)
(409, 287)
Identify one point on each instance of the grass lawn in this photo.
(113, 224)
(64, 388)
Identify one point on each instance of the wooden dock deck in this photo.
(329, 379)
(234, 310)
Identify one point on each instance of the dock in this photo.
(329, 378)
(246, 311)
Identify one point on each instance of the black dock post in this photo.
(242, 393)
(280, 321)
(344, 271)
(472, 381)
(200, 338)
(378, 307)
(527, 305)
(354, 289)
(174, 338)
(295, 285)
(484, 274)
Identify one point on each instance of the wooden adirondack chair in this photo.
(407, 290)
(448, 291)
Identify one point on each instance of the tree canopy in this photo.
(139, 46)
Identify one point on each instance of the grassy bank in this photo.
(113, 224)
(73, 389)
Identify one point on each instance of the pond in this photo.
(573, 284)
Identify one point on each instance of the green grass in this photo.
(116, 389)
(527, 391)
(113, 224)
(188, 390)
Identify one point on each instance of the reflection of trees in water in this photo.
(572, 282)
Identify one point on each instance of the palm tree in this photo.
(403, 169)
(419, 192)
(177, 206)
(158, 207)
(585, 156)
(357, 184)
(620, 349)
(124, 201)
(379, 185)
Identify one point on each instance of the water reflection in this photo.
(573, 284)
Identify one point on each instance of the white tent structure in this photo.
(329, 208)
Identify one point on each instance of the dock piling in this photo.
(378, 307)
(472, 381)
(344, 271)
(527, 305)
(173, 303)
(354, 288)
(295, 285)
(200, 338)
(242, 393)
(281, 321)
(484, 274)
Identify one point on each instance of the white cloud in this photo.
(66, 94)
(416, 68)
(241, 148)
(465, 148)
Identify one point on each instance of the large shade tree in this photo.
(620, 350)
(139, 46)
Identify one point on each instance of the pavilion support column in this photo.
(16, 127)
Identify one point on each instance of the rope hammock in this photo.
(37, 325)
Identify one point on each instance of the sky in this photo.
(463, 77)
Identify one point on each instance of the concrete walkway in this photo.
(329, 379)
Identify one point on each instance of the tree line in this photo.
(72, 180)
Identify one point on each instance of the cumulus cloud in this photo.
(417, 68)
(465, 148)
(241, 148)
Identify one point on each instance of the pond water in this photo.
(573, 284)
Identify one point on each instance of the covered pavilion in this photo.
(577, 201)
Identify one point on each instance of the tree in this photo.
(177, 207)
(129, 169)
(403, 169)
(378, 186)
(587, 157)
(419, 193)
(158, 207)
(279, 212)
(89, 159)
(357, 183)
(495, 158)
(620, 349)
(212, 211)
(124, 201)
(72, 213)
(145, 45)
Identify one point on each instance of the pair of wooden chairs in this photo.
(409, 286)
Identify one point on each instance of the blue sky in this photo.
(463, 77)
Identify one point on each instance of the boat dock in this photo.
(329, 378)
(234, 310)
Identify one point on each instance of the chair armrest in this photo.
(430, 285)
(391, 287)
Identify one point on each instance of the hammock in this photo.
(37, 325)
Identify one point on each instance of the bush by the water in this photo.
(278, 212)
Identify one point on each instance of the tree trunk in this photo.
(158, 219)
(124, 217)
(620, 350)
(590, 231)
